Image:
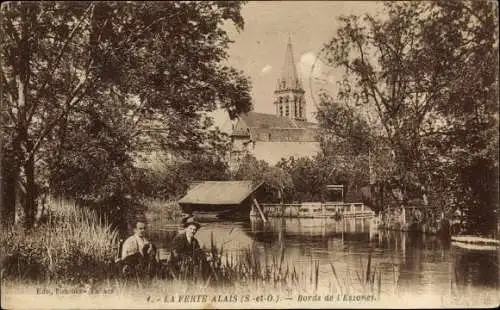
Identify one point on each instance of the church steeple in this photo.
(289, 94)
(289, 78)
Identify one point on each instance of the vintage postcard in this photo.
(257, 154)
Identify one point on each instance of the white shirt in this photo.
(133, 244)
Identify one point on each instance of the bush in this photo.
(162, 211)
(171, 181)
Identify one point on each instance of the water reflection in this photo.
(409, 262)
(476, 268)
(308, 230)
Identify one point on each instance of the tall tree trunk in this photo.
(8, 175)
(20, 144)
(31, 191)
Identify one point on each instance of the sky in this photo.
(259, 49)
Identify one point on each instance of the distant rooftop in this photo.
(269, 127)
(263, 120)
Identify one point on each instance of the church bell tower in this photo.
(289, 94)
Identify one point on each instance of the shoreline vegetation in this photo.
(76, 247)
(72, 251)
(112, 104)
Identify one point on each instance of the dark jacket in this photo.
(182, 249)
(187, 259)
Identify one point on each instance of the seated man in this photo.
(186, 252)
(137, 251)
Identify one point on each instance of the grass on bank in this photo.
(70, 244)
(76, 248)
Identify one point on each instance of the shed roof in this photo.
(219, 192)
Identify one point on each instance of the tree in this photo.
(462, 39)
(342, 128)
(276, 181)
(350, 143)
(424, 71)
(310, 176)
(383, 69)
(92, 163)
(66, 64)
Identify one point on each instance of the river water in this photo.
(408, 263)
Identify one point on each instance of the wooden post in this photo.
(343, 228)
(260, 210)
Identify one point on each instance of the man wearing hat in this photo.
(185, 245)
(186, 250)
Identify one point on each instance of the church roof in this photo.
(269, 127)
(289, 78)
(263, 120)
(283, 134)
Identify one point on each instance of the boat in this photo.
(475, 240)
(475, 243)
(475, 247)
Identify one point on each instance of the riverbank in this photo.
(163, 295)
(74, 246)
(412, 219)
(235, 277)
(71, 244)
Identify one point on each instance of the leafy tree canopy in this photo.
(424, 73)
(112, 79)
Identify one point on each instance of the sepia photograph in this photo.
(249, 154)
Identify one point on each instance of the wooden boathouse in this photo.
(220, 199)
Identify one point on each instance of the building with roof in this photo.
(220, 199)
(287, 133)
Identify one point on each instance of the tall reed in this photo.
(73, 243)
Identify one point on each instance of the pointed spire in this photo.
(289, 78)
